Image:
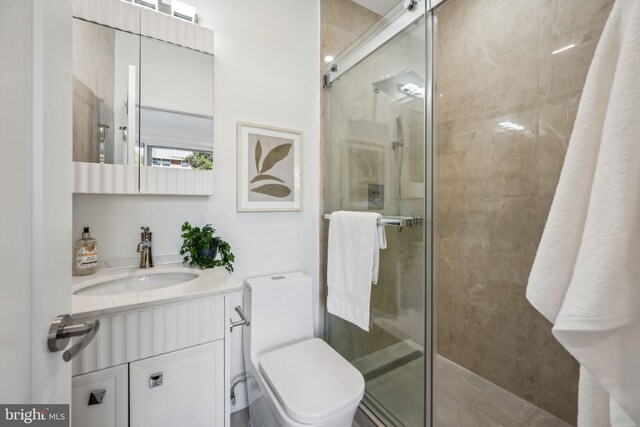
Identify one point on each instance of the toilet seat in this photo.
(311, 380)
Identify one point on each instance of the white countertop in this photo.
(210, 282)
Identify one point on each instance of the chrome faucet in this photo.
(144, 247)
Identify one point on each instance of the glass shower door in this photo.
(374, 162)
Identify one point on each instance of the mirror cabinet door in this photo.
(106, 87)
(176, 110)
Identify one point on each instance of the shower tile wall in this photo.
(361, 133)
(505, 107)
(341, 23)
(362, 122)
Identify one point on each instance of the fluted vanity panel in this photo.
(137, 20)
(112, 13)
(176, 31)
(102, 178)
(129, 336)
(176, 181)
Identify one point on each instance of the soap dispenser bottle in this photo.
(85, 254)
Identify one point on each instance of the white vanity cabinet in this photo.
(182, 386)
(158, 365)
(99, 399)
(162, 391)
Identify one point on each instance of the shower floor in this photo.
(463, 399)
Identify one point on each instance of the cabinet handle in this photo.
(155, 380)
(96, 397)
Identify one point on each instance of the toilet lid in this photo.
(311, 380)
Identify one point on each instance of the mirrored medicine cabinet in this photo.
(142, 109)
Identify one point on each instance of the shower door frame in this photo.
(364, 46)
(430, 222)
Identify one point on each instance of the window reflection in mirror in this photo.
(105, 82)
(176, 106)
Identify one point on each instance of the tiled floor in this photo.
(463, 399)
(466, 399)
(240, 418)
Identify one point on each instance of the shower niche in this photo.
(142, 103)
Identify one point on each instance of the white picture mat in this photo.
(243, 203)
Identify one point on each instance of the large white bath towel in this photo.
(355, 240)
(586, 276)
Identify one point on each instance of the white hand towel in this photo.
(586, 275)
(355, 240)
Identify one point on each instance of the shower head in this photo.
(401, 87)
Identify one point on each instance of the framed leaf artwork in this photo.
(269, 168)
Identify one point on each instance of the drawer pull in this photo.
(155, 380)
(96, 397)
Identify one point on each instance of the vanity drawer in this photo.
(181, 388)
(100, 399)
(129, 336)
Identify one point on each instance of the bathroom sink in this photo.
(135, 283)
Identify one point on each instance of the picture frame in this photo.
(269, 168)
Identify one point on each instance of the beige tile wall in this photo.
(363, 126)
(341, 23)
(494, 64)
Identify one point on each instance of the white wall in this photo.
(266, 71)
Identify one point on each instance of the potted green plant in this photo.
(201, 247)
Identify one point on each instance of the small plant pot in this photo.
(210, 252)
(201, 248)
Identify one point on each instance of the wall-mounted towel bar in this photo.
(396, 221)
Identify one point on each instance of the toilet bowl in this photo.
(293, 379)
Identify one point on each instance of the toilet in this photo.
(293, 379)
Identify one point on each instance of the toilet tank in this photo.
(280, 310)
